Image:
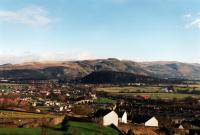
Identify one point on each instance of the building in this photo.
(106, 117)
(153, 122)
(167, 89)
(148, 121)
(123, 117)
(179, 126)
(110, 118)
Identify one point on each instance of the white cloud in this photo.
(195, 23)
(192, 20)
(15, 58)
(33, 15)
(187, 15)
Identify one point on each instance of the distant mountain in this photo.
(173, 69)
(77, 69)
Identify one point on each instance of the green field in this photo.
(20, 131)
(139, 89)
(83, 128)
(15, 114)
(170, 96)
(152, 91)
(75, 128)
(104, 101)
(160, 95)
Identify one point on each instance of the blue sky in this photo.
(140, 30)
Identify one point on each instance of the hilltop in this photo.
(77, 69)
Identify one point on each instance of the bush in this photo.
(65, 123)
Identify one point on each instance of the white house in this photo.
(181, 127)
(61, 108)
(145, 120)
(106, 117)
(110, 118)
(153, 122)
(34, 104)
(123, 117)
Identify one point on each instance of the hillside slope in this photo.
(173, 69)
(77, 69)
(113, 77)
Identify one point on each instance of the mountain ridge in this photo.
(77, 69)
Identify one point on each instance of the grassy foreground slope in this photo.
(74, 128)
(83, 128)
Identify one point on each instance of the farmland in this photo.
(72, 126)
(25, 115)
(154, 92)
(159, 95)
(103, 100)
(129, 89)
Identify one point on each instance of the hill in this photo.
(113, 77)
(173, 69)
(70, 70)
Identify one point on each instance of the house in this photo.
(106, 117)
(61, 108)
(38, 110)
(179, 126)
(153, 122)
(167, 89)
(147, 121)
(123, 117)
(110, 118)
(34, 104)
(177, 120)
(93, 96)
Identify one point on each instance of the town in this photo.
(99, 67)
(135, 111)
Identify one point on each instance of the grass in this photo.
(75, 128)
(28, 131)
(20, 131)
(169, 96)
(84, 128)
(15, 114)
(152, 91)
(104, 101)
(161, 95)
(136, 89)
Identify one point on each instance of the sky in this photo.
(138, 30)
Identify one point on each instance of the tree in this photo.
(43, 127)
(65, 123)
